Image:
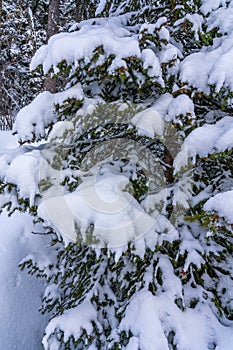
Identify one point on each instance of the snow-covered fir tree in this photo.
(132, 178)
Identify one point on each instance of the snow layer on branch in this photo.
(223, 204)
(74, 46)
(72, 322)
(32, 120)
(210, 67)
(148, 317)
(209, 5)
(23, 172)
(115, 215)
(195, 19)
(100, 8)
(151, 62)
(206, 140)
(112, 40)
(221, 19)
(21, 167)
(150, 122)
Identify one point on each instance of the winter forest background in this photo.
(116, 175)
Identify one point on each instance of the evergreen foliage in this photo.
(114, 120)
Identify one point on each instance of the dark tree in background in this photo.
(52, 28)
(22, 32)
(25, 26)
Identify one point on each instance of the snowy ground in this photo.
(21, 325)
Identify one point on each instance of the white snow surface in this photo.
(206, 140)
(77, 48)
(21, 168)
(148, 317)
(7, 140)
(116, 215)
(209, 5)
(71, 323)
(21, 325)
(151, 121)
(214, 66)
(222, 203)
(32, 120)
(74, 46)
(222, 19)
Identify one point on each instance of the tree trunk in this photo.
(53, 18)
(1, 19)
(80, 11)
(52, 28)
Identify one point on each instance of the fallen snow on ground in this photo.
(21, 325)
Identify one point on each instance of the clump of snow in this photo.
(179, 107)
(206, 140)
(72, 322)
(116, 216)
(23, 171)
(152, 65)
(169, 53)
(149, 122)
(33, 119)
(21, 167)
(221, 19)
(59, 129)
(209, 5)
(78, 45)
(214, 66)
(100, 7)
(150, 318)
(107, 38)
(195, 19)
(222, 203)
(142, 319)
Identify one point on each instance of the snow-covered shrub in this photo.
(132, 179)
